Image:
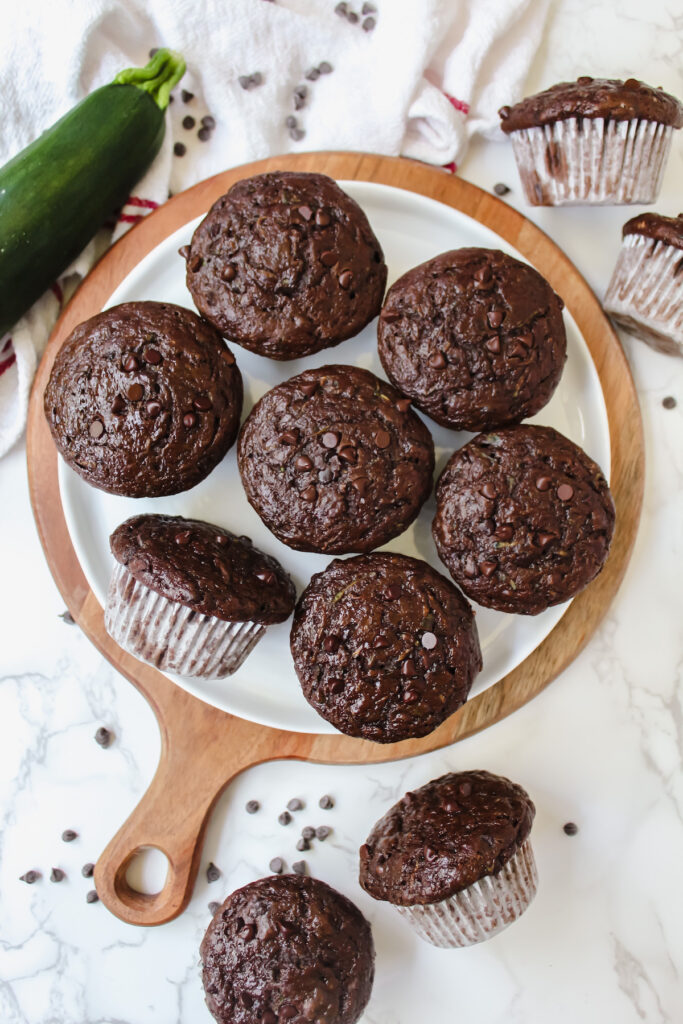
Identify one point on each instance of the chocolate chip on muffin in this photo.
(288, 947)
(474, 338)
(144, 399)
(524, 519)
(384, 646)
(334, 461)
(286, 264)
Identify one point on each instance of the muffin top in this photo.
(474, 337)
(204, 567)
(593, 97)
(385, 647)
(144, 399)
(287, 948)
(286, 264)
(445, 836)
(654, 225)
(334, 460)
(524, 519)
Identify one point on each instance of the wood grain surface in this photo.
(203, 748)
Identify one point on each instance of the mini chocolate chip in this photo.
(322, 832)
(92, 897)
(543, 483)
(325, 67)
(570, 829)
(309, 388)
(245, 81)
(202, 403)
(313, 74)
(360, 484)
(408, 668)
(212, 872)
(299, 101)
(504, 113)
(153, 52)
(180, 149)
(118, 405)
(669, 402)
(153, 408)
(322, 218)
(328, 258)
(382, 439)
(330, 439)
(284, 818)
(393, 591)
(299, 867)
(309, 493)
(96, 429)
(68, 835)
(68, 618)
(130, 363)
(247, 932)
(189, 420)
(291, 121)
(429, 641)
(308, 832)
(303, 844)
(295, 804)
(289, 437)
(188, 122)
(352, 18)
(256, 78)
(437, 360)
(495, 317)
(213, 907)
(252, 806)
(296, 134)
(500, 189)
(209, 122)
(183, 537)
(277, 865)
(342, 9)
(187, 96)
(135, 392)
(493, 344)
(489, 491)
(302, 463)
(204, 133)
(565, 492)
(368, 9)
(57, 875)
(516, 350)
(302, 91)
(88, 870)
(326, 802)
(403, 404)
(196, 262)
(345, 279)
(526, 338)
(30, 877)
(488, 568)
(104, 737)
(348, 453)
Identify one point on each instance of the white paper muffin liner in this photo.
(645, 294)
(483, 909)
(171, 636)
(592, 160)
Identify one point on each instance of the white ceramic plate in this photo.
(265, 689)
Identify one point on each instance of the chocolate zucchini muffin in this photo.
(474, 337)
(286, 264)
(384, 646)
(144, 399)
(596, 140)
(524, 519)
(454, 857)
(287, 948)
(335, 461)
(190, 597)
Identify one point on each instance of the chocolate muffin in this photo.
(144, 399)
(596, 140)
(287, 948)
(334, 461)
(384, 646)
(474, 337)
(645, 295)
(454, 857)
(190, 597)
(286, 264)
(524, 519)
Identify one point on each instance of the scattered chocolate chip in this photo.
(296, 134)
(228, 357)
(250, 81)
(68, 618)
(322, 832)
(503, 532)
(500, 189)
(437, 360)
(96, 429)
(92, 897)
(222, 539)
(268, 1017)
(180, 149)
(309, 493)
(103, 737)
(212, 872)
(30, 877)
(183, 537)
(322, 218)
(266, 576)
(504, 113)
(291, 121)
(247, 932)
(186, 96)
(326, 802)
(348, 453)
(325, 67)
(130, 363)
(303, 844)
(543, 483)
(545, 538)
(202, 403)
(565, 492)
(57, 875)
(403, 404)
(308, 832)
(313, 74)
(289, 437)
(204, 133)
(382, 439)
(302, 463)
(408, 668)
(213, 907)
(152, 356)
(299, 867)
(288, 1011)
(489, 491)
(488, 568)
(153, 408)
(309, 388)
(570, 829)
(135, 392)
(393, 591)
(345, 279)
(208, 122)
(368, 24)
(118, 405)
(277, 865)
(493, 344)
(306, 212)
(189, 420)
(495, 317)
(342, 9)
(429, 641)
(352, 17)
(188, 122)
(328, 258)
(153, 52)
(88, 870)
(295, 804)
(257, 78)
(284, 818)
(380, 642)
(68, 835)
(330, 439)
(669, 402)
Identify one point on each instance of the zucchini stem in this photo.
(157, 78)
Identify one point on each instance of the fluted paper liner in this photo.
(592, 160)
(482, 909)
(645, 294)
(172, 636)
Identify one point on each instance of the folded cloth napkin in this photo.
(410, 77)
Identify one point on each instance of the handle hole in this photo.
(147, 870)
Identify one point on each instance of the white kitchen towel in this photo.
(409, 77)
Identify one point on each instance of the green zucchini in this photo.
(57, 193)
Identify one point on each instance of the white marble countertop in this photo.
(602, 746)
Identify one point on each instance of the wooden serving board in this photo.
(202, 748)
